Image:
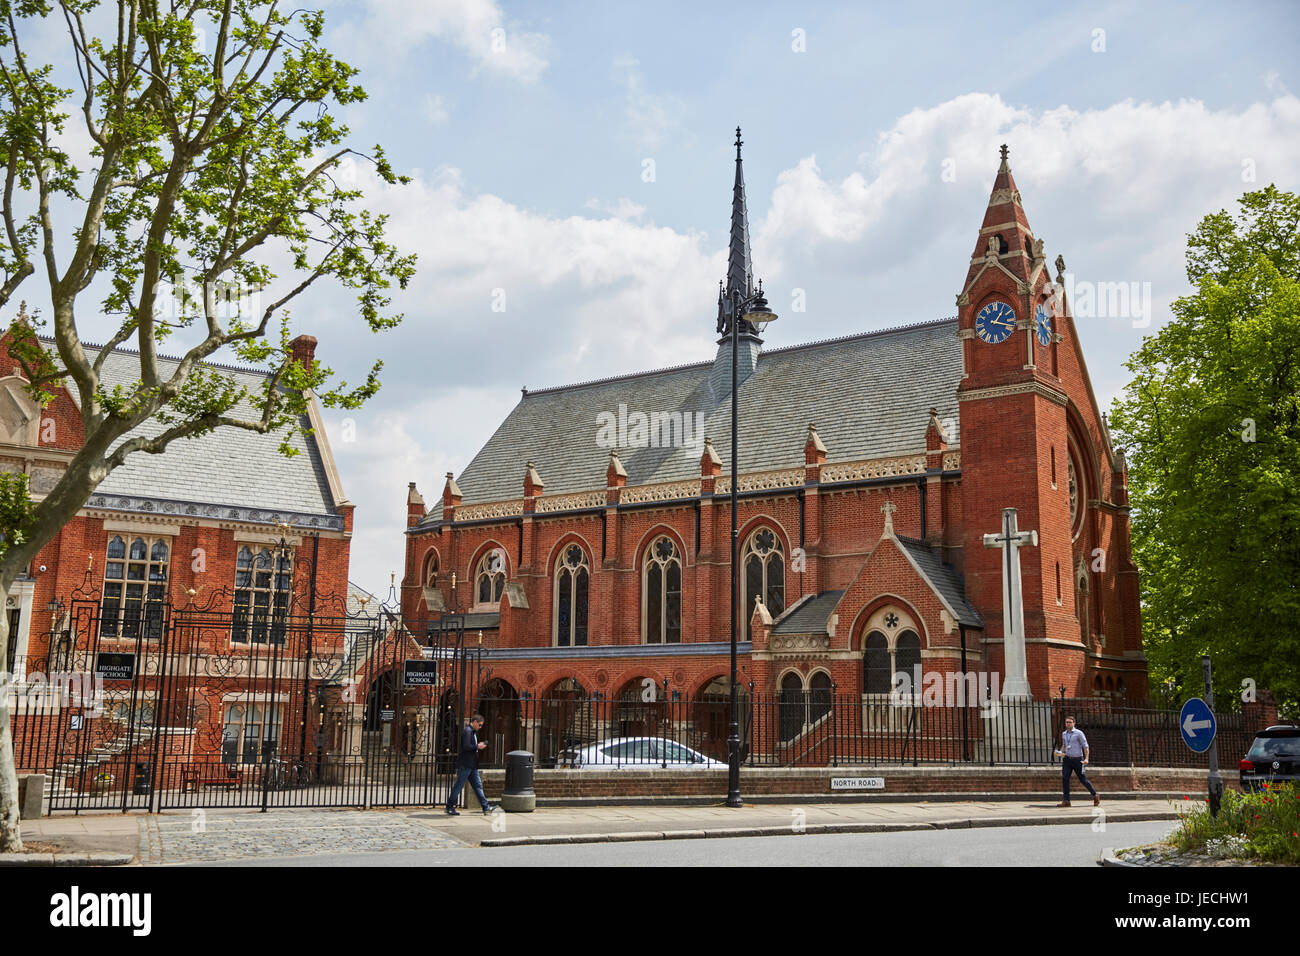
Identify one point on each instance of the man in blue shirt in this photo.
(1074, 757)
(467, 767)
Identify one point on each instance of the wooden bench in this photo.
(219, 776)
(224, 776)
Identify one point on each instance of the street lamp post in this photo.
(751, 309)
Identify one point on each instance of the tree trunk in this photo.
(11, 840)
(12, 562)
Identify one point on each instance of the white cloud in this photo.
(478, 27)
(651, 118)
(621, 208)
(435, 110)
(1114, 183)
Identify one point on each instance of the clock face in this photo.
(995, 322)
(1043, 326)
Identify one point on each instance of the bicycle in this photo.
(283, 775)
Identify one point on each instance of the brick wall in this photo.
(562, 785)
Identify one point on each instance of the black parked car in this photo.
(1274, 757)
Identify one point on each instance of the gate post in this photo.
(163, 695)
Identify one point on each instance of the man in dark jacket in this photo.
(467, 766)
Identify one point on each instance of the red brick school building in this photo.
(587, 543)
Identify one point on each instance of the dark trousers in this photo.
(1074, 765)
(470, 774)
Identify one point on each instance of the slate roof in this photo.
(810, 617)
(228, 466)
(945, 579)
(868, 394)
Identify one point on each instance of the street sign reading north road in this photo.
(857, 783)
(1197, 724)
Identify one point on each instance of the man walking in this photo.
(1074, 757)
(467, 766)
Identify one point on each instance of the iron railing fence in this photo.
(827, 729)
(207, 707)
(213, 707)
(1120, 736)
(813, 729)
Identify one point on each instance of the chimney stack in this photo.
(303, 350)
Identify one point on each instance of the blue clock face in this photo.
(995, 322)
(1043, 326)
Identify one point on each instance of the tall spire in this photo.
(1005, 231)
(737, 295)
(740, 269)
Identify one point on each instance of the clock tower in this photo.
(1014, 435)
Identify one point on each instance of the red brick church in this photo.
(587, 541)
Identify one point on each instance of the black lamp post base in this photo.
(733, 768)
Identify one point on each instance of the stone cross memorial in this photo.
(1011, 540)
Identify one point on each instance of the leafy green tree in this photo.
(1211, 421)
(215, 199)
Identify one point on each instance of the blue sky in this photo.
(527, 128)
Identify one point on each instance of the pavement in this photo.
(209, 836)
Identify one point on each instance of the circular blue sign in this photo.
(1197, 724)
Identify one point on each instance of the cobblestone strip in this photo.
(248, 836)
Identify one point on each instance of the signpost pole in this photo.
(1215, 781)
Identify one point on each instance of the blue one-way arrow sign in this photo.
(1197, 724)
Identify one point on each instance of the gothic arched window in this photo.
(876, 670)
(661, 593)
(819, 696)
(572, 587)
(790, 706)
(764, 566)
(1081, 605)
(907, 654)
(1078, 495)
(431, 570)
(881, 663)
(490, 577)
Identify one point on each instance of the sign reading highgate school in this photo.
(115, 665)
(420, 673)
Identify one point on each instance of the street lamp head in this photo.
(758, 314)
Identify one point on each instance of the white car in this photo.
(638, 752)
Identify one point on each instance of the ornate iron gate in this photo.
(211, 705)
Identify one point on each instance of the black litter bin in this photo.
(141, 787)
(518, 795)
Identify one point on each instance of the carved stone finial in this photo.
(533, 483)
(1060, 268)
(616, 464)
(937, 425)
(451, 491)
